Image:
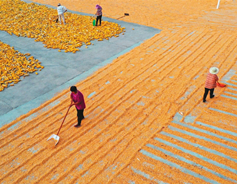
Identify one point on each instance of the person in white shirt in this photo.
(61, 11)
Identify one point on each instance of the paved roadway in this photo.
(62, 69)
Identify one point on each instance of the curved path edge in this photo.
(37, 89)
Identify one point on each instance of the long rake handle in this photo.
(63, 120)
(125, 14)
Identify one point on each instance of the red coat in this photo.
(211, 81)
(79, 98)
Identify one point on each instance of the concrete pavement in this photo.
(62, 69)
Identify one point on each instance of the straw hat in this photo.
(214, 70)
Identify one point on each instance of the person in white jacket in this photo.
(61, 10)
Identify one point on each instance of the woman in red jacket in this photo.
(211, 82)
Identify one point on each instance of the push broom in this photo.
(56, 137)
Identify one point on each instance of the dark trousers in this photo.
(98, 18)
(206, 93)
(80, 116)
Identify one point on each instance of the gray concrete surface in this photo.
(62, 69)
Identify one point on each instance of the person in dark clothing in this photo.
(77, 99)
(98, 14)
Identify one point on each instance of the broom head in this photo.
(221, 85)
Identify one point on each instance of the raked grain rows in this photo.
(130, 108)
(203, 151)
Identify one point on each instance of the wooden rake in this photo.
(125, 14)
(56, 137)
